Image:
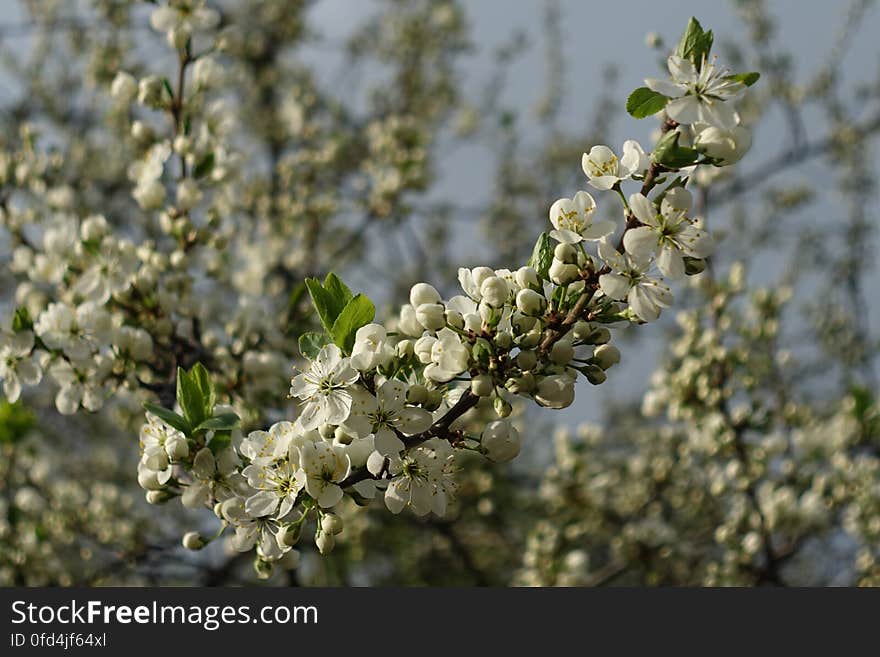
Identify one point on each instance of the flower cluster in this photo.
(385, 410)
(739, 485)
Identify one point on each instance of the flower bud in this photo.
(331, 524)
(423, 293)
(725, 146)
(527, 277)
(435, 398)
(182, 144)
(141, 131)
(473, 323)
(530, 303)
(565, 253)
(526, 359)
(432, 316)
(149, 479)
(417, 394)
(531, 339)
(409, 325)
(482, 385)
(556, 391)
(500, 441)
(480, 274)
(325, 542)
(288, 535)
(124, 87)
(158, 496)
(503, 340)
(494, 291)
(591, 333)
(489, 314)
(263, 568)
(176, 447)
(562, 352)
(93, 228)
(454, 319)
(188, 194)
(155, 459)
(150, 194)
(521, 384)
(150, 91)
(423, 348)
(606, 355)
(178, 37)
(193, 541)
(595, 375)
(502, 407)
(561, 273)
(523, 323)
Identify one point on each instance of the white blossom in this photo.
(385, 415)
(670, 233)
(629, 280)
(324, 389)
(17, 365)
(572, 220)
(604, 169)
(698, 95)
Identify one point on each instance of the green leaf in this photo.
(16, 420)
(542, 255)
(170, 418)
(167, 86)
(204, 166)
(863, 400)
(359, 312)
(695, 44)
(668, 153)
(202, 379)
(220, 441)
(224, 421)
(338, 291)
(644, 102)
(191, 396)
(311, 343)
(747, 79)
(323, 302)
(21, 320)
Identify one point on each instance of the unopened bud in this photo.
(331, 524)
(526, 359)
(417, 394)
(562, 273)
(530, 303)
(502, 407)
(606, 355)
(565, 253)
(158, 496)
(562, 352)
(288, 535)
(325, 542)
(595, 374)
(193, 541)
(423, 293)
(263, 568)
(482, 385)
